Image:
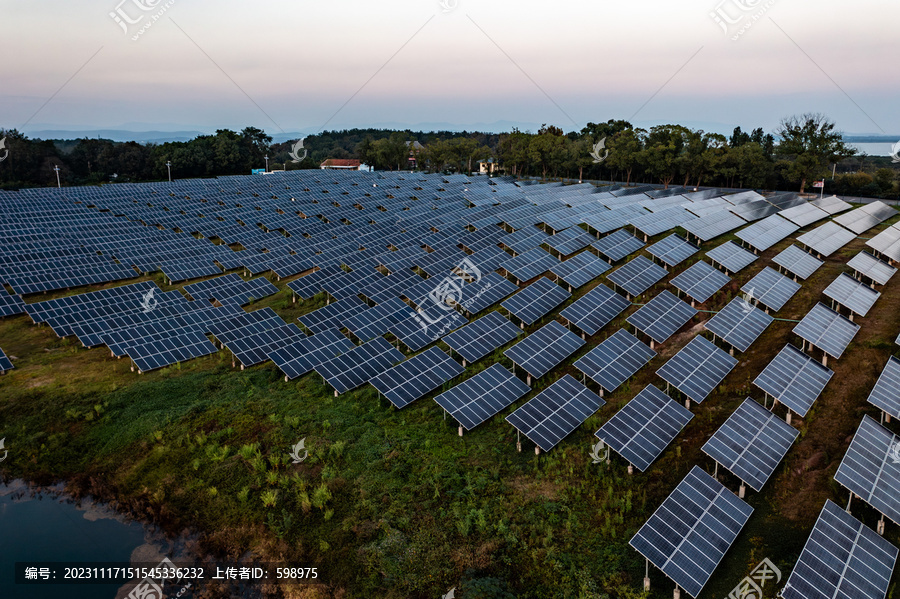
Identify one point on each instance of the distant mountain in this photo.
(116, 135)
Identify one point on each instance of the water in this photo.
(873, 149)
(46, 526)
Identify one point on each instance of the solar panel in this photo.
(413, 378)
(770, 288)
(689, 534)
(569, 241)
(751, 443)
(544, 349)
(487, 393)
(310, 285)
(831, 205)
(333, 315)
(536, 300)
(595, 309)
(697, 369)
(841, 558)
(359, 365)
(5, 363)
(641, 430)
(887, 243)
(662, 316)
(864, 218)
(555, 412)
(804, 214)
(254, 349)
(485, 293)
(852, 294)
(827, 239)
(615, 360)
(731, 256)
(714, 224)
(886, 393)
(376, 321)
(303, 355)
(618, 245)
(529, 265)
(673, 250)
(701, 281)
(173, 350)
(827, 330)
(481, 337)
(794, 379)
(764, 234)
(11, 305)
(870, 468)
(580, 269)
(739, 323)
(426, 326)
(867, 265)
(637, 275)
(796, 261)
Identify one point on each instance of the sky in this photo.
(287, 66)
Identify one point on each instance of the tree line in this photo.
(801, 150)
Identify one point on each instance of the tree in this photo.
(625, 151)
(811, 143)
(513, 149)
(662, 154)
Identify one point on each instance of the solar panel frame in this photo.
(644, 427)
(5, 363)
(794, 378)
(798, 262)
(619, 357)
(739, 323)
(618, 245)
(837, 544)
(555, 412)
(827, 239)
(662, 316)
(869, 469)
(673, 250)
(580, 269)
(544, 349)
(637, 275)
(854, 295)
(751, 443)
(698, 368)
(536, 300)
(867, 265)
(302, 356)
(595, 309)
(701, 281)
(482, 396)
(731, 256)
(359, 365)
(416, 377)
(826, 329)
(771, 288)
(689, 534)
(885, 394)
(480, 337)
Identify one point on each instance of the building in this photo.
(345, 164)
(489, 167)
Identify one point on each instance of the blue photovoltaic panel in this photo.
(536, 300)
(487, 393)
(770, 288)
(673, 250)
(638, 275)
(481, 337)
(304, 354)
(426, 326)
(595, 309)
(544, 349)
(854, 295)
(615, 360)
(529, 265)
(485, 293)
(739, 323)
(333, 315)
(580, 269)
(870, 469)
(359, 365)
(413, 378)
(378, 319)
(796, 261)
(886, 393)
(555, 412)
(697, 369)
(618, 245)
(641, 430)
(751, 443)
(866, 265)
(662, 316)
(794, 379)
(689, 534)
(827, 330)
(5, 362)
(842, 558)
(701, 281)
(731, 256)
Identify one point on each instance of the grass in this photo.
(392, 503)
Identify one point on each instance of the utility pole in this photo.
(56, 168)
(169, 168)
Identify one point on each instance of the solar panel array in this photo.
(870, 469)
(701, 281)
(618, 245)
(794, 379)
(359, 365)
(764, 234)
(417, 376)
(751, 443)
(841, 558)
(479, 338)
(673, 250)
(739, 323)
(827, 239)
(731, 256)
(5, 363)
(690, 532)
(615, 360)
(797, 262)
(641, 430)
(595, 309)
(852, 294)
(867, 265)
(770, 288)
(637, 275)
(303, 355)
(580, 269)
(487, 393)
(536, 300)
(827, 330)
(885, 394)
(662, 316)
(333, 315)
(865, 217)
(529, 265)
(887, 243)
(555, 412)
(697, 369)
(544, 349)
